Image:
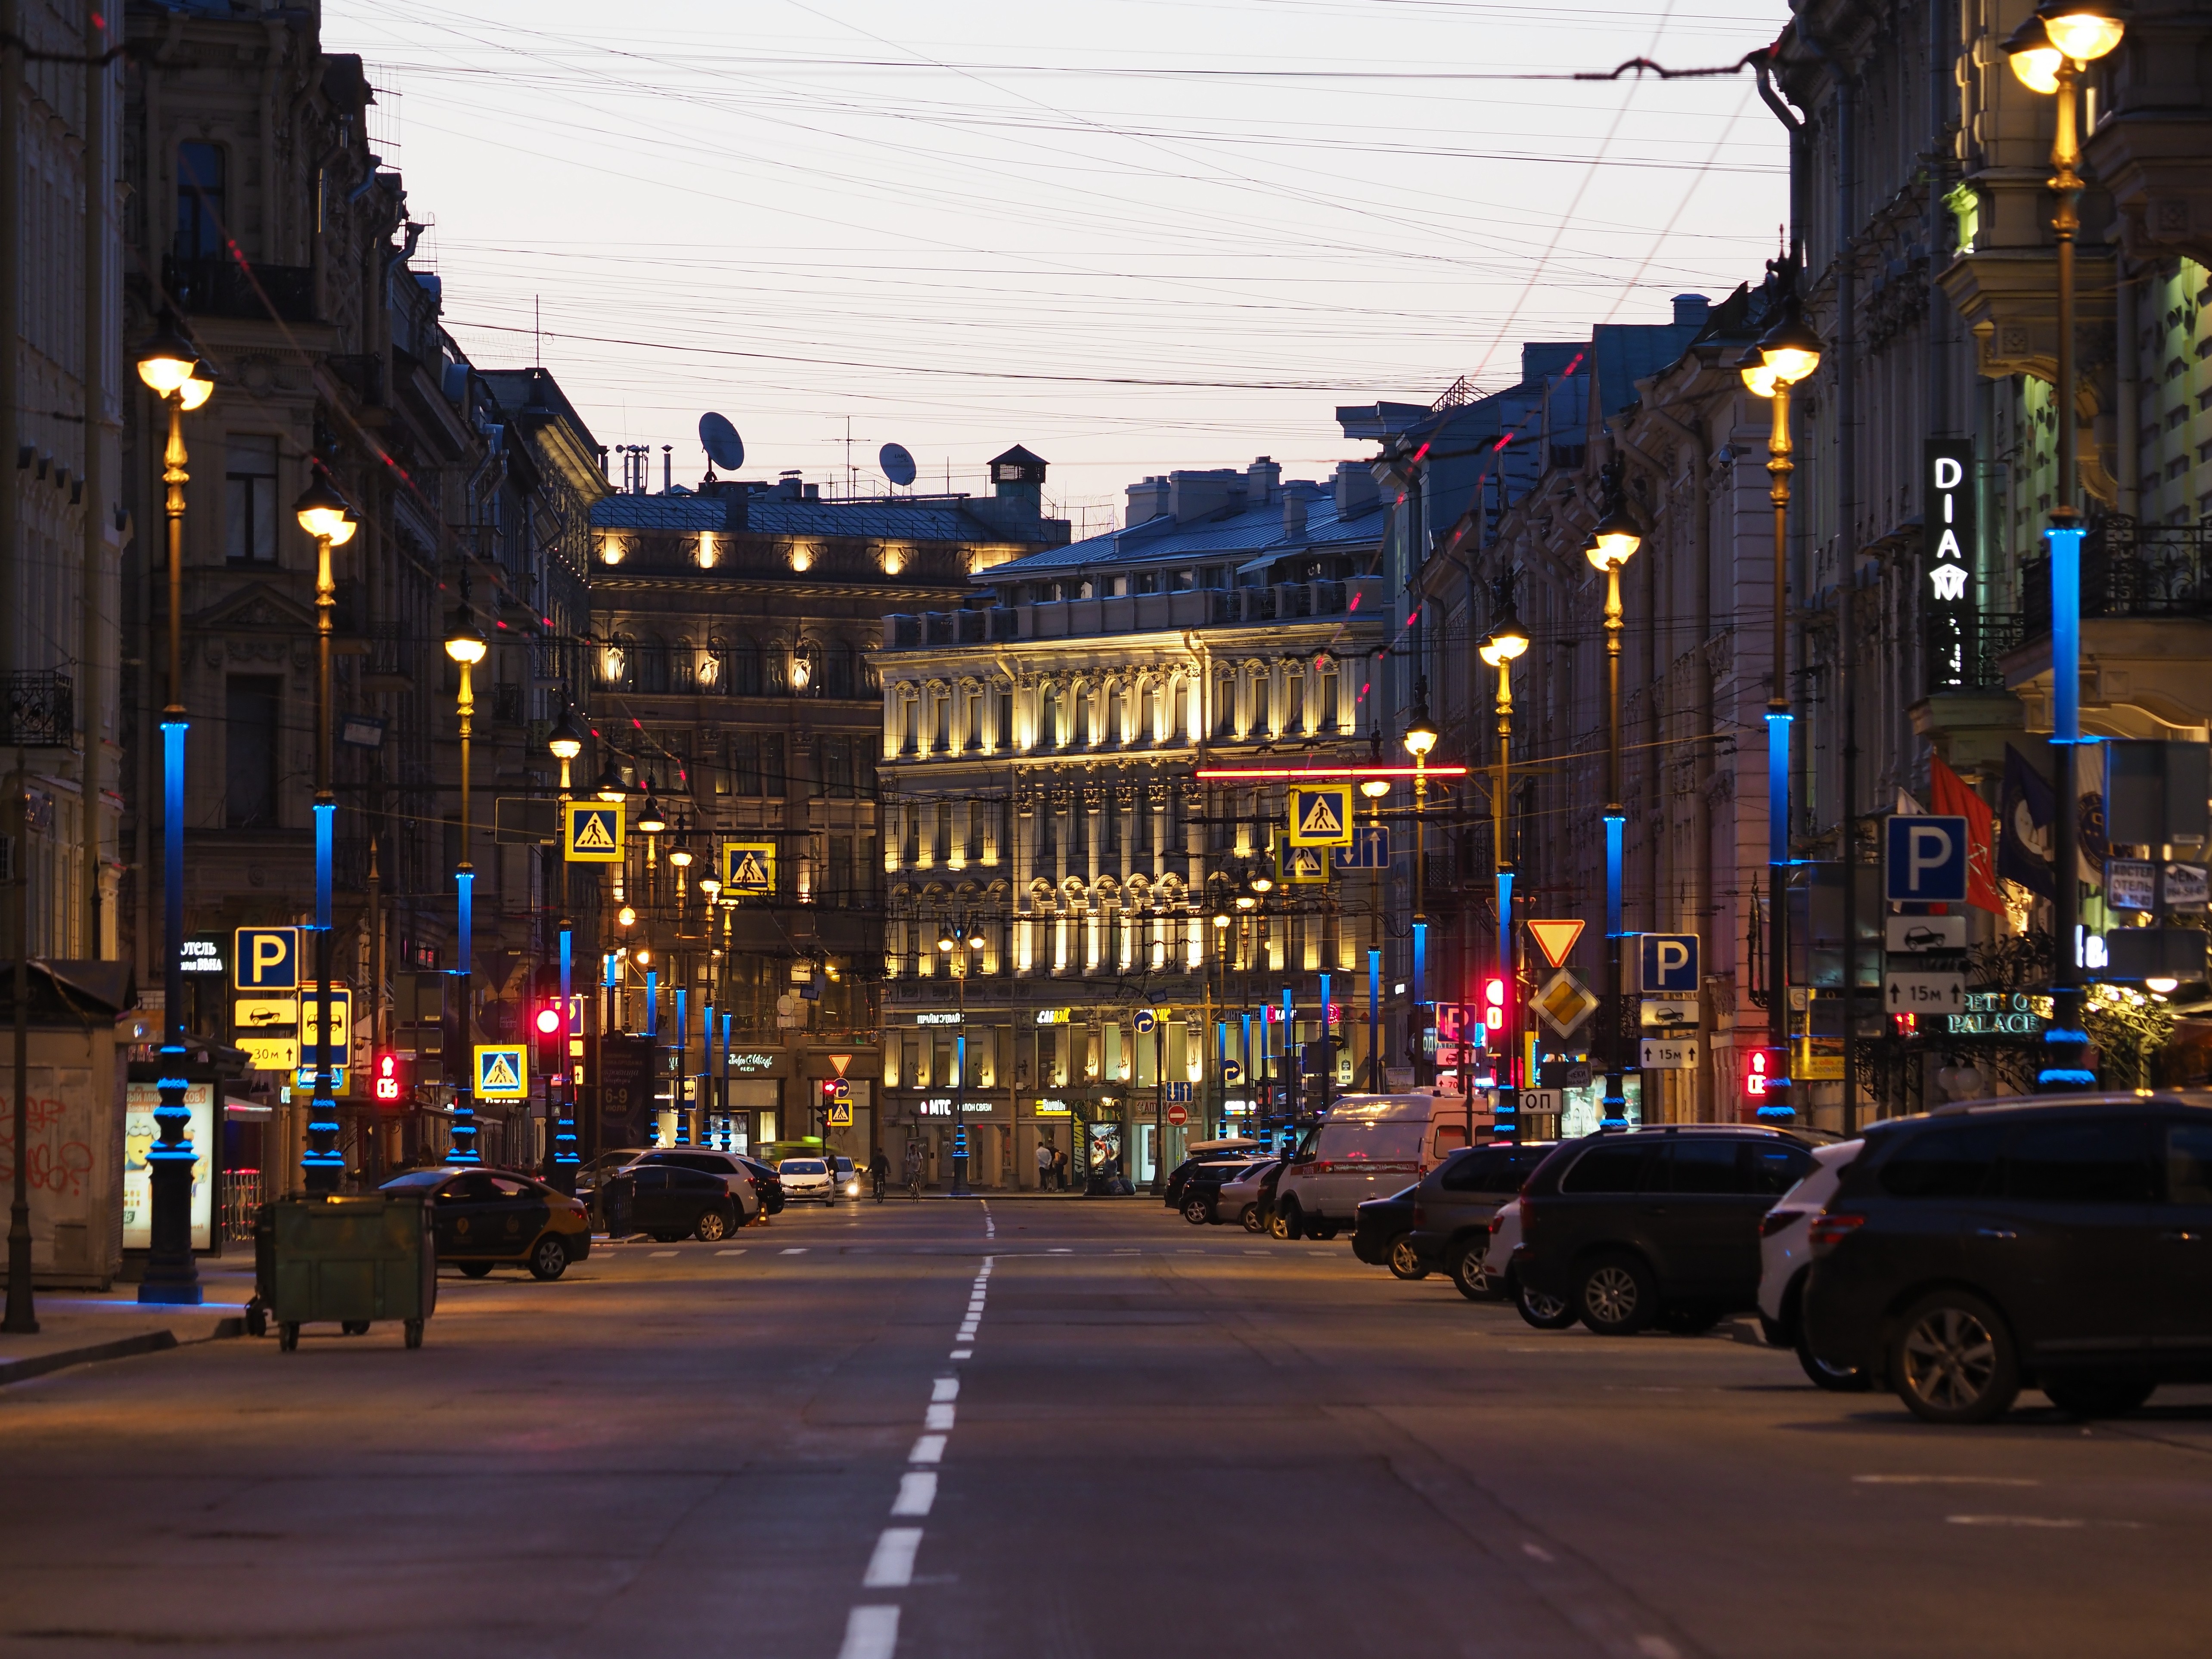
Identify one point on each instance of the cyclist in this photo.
(879, 1171)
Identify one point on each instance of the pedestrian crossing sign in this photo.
(501, 1073)
(841, 1115)
(1320, 816)
(748, 866)
(592, 832)
(1301, 866)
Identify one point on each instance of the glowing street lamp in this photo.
(1505, 645)
(466, 646)
(1614, 541)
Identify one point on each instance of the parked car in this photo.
(1368, 1145)
(1206, 1154)
(1201, 1189)
(807, 1178)
(670, 1201)
(766, 1182)
(1453, 1206)
(1246, 1198)
(1382, 1234)
(2062, 1243)
(1540, 1308)
(727, 1166)
(596, 1170)
(484, 1219)
(1785, 1256)
(1657, 1224)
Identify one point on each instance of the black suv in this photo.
(1453, 1205)
(1647, 1224)
(2064, 1243)
(1210, 1167)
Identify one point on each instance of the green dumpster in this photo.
(353, 1260)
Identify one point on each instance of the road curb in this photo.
(124, 1347)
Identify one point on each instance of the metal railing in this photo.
(218, 287)
(2128, 569)
(242, 1195)
(41, 709)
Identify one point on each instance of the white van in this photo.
(1368, 1146)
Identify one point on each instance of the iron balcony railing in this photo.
(219, 287)
(41, 709)
(2128, 569)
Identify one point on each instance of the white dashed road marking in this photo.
(870, 1634)
(929, 1448)
(945, 1387)
(1941, 1480)
(729, 1253)
(917, 1491)
(801, 1250)
(891, 1567)
(660, 1253)
(938, 1417)
(1538, 1552)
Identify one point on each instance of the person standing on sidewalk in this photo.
(1046, 1159)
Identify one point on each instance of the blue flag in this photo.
(2024, 825)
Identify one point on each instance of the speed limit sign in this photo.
(1178, 1115)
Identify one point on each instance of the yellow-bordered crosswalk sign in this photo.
(592, 833)
(501, 1072)
(1320, 816)
(1300, 865)
(748, 866)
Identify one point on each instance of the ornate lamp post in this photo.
(566, 743)
(2048, 54)
(1507, 642)
(323, 513)
(171, 369)
(467, 647)
(1788, 352)
(1421, 738)
(1613, 543)
(1375, 789)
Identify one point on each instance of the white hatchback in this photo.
(1784, 1254)
(807, 1178)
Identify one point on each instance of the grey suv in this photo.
(1454, 1203)
(1655, 1224)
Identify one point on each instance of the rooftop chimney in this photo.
(1690, 310)
(1294, 516)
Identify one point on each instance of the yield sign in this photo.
(1555, 939)
(1563, 1003)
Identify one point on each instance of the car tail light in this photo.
(1830, 1229)
(1775, 1220)
(1496, 1221)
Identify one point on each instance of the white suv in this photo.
(1784, 1254)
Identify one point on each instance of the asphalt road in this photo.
(1065, 1429)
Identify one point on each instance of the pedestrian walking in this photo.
(1046, 1160)
(1059, 1169)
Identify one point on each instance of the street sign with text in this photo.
(1919, 993)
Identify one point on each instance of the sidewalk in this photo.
(76, 1328)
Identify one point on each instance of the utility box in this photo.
(73, 1146)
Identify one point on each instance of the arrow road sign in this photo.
(1924, 994)
(1370, 848)
(1925, 859)
(1668, 1055)
(1146, 1019)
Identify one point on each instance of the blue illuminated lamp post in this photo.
(2048, 54)
(467, 647)
(171, 369)
(566, 743)
(323, 513)
(1507, 642)
(1787, 353)
(1613, 543)
(1420, 738)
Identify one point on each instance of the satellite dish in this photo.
(897, 464)
(719, 439)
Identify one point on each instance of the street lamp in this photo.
(1421, 738)
(172, 372)
(1787, 353)
(566, 742)
(467, 647)
(1507, 643)
(1375, 789)
(323, 514)
(2048, 54)
(1613, 543)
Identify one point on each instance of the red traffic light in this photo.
(1493, 992)
(549, 1020)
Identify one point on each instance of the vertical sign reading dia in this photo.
(1948, 546)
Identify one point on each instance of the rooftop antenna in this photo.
(850, 486)
(536, 333)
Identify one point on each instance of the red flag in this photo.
(1951, 796)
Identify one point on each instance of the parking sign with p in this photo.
(1925, 859)
(266, 959)
(1668, 963)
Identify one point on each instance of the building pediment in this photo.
(259, 609)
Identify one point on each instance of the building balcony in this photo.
(41, 710)
(2146, 632)
(220, 288)
(1136, 613)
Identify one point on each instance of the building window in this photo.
(1294, 704)
(1048, 731)
(250, 498)
(941, 844)
(840, 872)
(251, 703)
(1004, 737)
(837, 768)
(200, 209)
(975, 721)
(975, 832)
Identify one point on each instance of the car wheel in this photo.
(1251, 1221)
(475, 1269)
(1197, 1212)
(1615, 1295)
(1470, 1277)
(714, 1226)
(1543, 1310)
(1405, 1260)
(1835, 1379)
(1285, 1222)
(2097, 1396)
(548, 1257)
(1953, 1359)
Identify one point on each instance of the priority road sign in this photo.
(748, 866)
(501, 1072)
(1923, 993)
(1668, 962)
(592, 832)
(1563, 1003)
(1320, 816)
(1369, 848)
(1178, 1115)
(1925, 859)
(265, 959)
